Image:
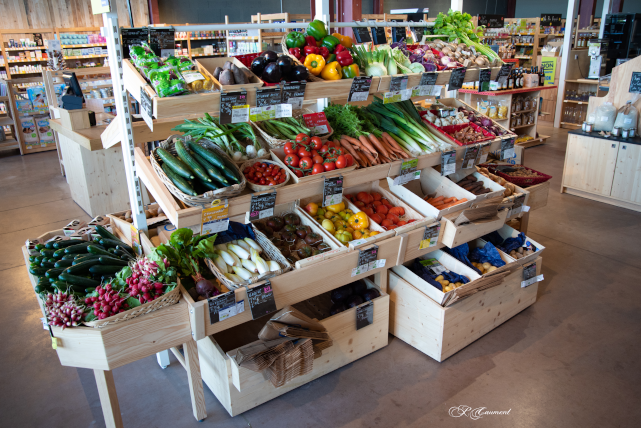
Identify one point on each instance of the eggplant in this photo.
(271, 74)
(258, 65)
(285, 65)
(299, 72)
(270, 56)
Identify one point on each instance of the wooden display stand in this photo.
(606, 170)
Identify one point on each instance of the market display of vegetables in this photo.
(273, 68)
(379, 209)
(445, 280)
(517, 174)
(444, 116)
(341, 222)
(293, 239)
(310, 156)
(231, 74)
(517, 247)
(510, 188)
(286, 128)
(473, 185)
(351, 295)
(442, 202)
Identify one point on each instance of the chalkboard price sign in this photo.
(294, 93)
(471, 152)
(504, 72)
(162, 41)
(507, 149)
(398, 34)
(268, 96)
(398, 83)
(491, 21)
(635, 82)
(364, 315)
(261, 300)
(221, 307)
(362, 34)
(417, 33)
(146, 109)
(550, 19)
(378, 35)
(367, 260)
(456, 79)
(360, 88)
(485, 75)
(131, 37)
(229, 100)
(448, 162)
(332, 190)
(262, 206)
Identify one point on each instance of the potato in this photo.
(487, 265)
(148, 214)
(492, 268)
(458, 284)
(439, 278)
(445, 282)
(447, 288)
(518, 256)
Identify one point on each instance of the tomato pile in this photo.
(309, 156)
(380, 210)
(265, 174)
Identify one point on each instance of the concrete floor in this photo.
(570, 360)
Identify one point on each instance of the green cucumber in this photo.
(112, 262)
(61, 285)
(82, 266)
(104, 232)
(53, 273)
(66, 243)
(230, 175)
(176, 165)
(213, 172)
(84, 258)
(49, 245)
(117, 244)
(47, 253)
(122, 253)
(94, 249)
(69, 256)
(209, 155)
(104, 269)
(78, 248)
(198, 169)
(78, 280)
(33, 259)
(43, 288)
(63, 263)
(47, 264)
(179, 181)
(40, 247)
(58, 254)
(38, 271)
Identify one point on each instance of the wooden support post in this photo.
(154, 14)
(586, 12)
(108, 398)
(192, 365)
(379, 7)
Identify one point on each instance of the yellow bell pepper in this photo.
(332, 71)
(336, 208)
(359, 221)
(315, 64)
(345, 40)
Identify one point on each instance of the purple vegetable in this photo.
(415, 58)
(486, 122)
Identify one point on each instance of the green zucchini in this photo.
(40, 247)
(70, 256)
(78, 248)
(231, 175)
(104, 269)
(84, 258)
(47, 253)
(213, 172)
(43, 280)
(209, 155)
(43, 288)
(104, 232)
(53, 273)
(78, 280)
(38, 271)
(176, 165)
(63, 263)
(122, 253)
(49, 245)
(33, 259)
(179, 181)
(82, 266)
(116, 243)
(61, 285)
(198, 169)
(94, 249)
(66, 243)
(47, 264)
(112, 262)
(59, 253)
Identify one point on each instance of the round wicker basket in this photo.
(260, 187)
(207, 197)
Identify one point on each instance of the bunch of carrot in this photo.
(441, 202)
(369, 150)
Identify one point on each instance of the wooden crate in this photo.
(222, 375)
(442, 78)
(410, 246)
(455, 102)
(440, 332)
(538, 195)
(454, 235)
(495, 188)
(509, 232)
(210, 65)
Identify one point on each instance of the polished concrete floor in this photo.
(570, 360)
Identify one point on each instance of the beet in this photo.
(205, 288)
(353, 301)
(370, 294)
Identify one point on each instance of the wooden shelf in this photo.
(26, 49)
(523, 57)
(9, 144)
(6, 121)
(575, 102)
(84, 46)
(524, 111)
(571, 124)
(522, 126)
(86, 56)
(523, 44)
(533, 142)
(214, 54)
(513, 91)
(27, 60)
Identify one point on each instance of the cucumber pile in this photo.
(196, 170)
(79, 266)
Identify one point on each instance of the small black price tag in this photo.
(360, 88)
(471, 153)
(367, 260)
(222, 307)
(364, 315)
(131, 37)
(233, 105)
(268, 96)
(398, 34)
(635, 82)
(518, 206)
(448, 162)
(261, 300)
(530, 276)
(332, 190)
(398, 83)
(146, 108)
(551, 19)
(507, 149)
(428, 79)
(485, 75)
(504, 72)
(262, 206)
(378, 35)
(456, 79)
(361, 34)
(162, 41)
(418, 32)
(490, 21)
(294, 93)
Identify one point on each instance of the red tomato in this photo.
(289, 148)
(316, 142)
(368, 211)
(303, 152)
(262, 181)
(292, 160)
(341, 162)
(318, 159)
(302, 138)
(349, 158)
(315, 152)
(306, 162)
(323, 149)
(382, 210)
(318, 169)
(329, 166)
(298, 173)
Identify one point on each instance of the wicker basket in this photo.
(275, 143)
(270, 252)
(246, 143)
(260, 187)
(285, 49)
(165, 300)
(207, 197)
(519, 181)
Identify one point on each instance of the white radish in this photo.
(273, 266)
(220, 263)
(227, 257)
(254, 245)
(239, 251)
(221, 247)
(243, 273)
(244, 245)
(249, 265)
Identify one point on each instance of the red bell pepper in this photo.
(295, 52)
(310, 41)
(344, 58)
(310, 50)
(339, 49)
(323, 51)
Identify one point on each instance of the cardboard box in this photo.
(73, 226)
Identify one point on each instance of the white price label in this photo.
(368, 267)
(283, 110)
(240, 114)
(531, 281)
(296, 102)
(231, 311)
(360, 96)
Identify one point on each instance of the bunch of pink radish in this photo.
(141, 283)
(108, 302)
(63, 310)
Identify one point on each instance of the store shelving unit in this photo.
(8, 122)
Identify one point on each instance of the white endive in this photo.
(244, 245)
(227, 257)
(221, 247)
(242, 272)
(260, 263)
(239, 251)
(249, 265)
(254, 245)
(220, 263)
(234, 277)
(273, 266)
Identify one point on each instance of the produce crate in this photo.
(411, 246)
(480, 243)
(278, 156)
(445, 130)
(454, 235)
(431, 182)
(440, 332)
(509, 232)
(210, 65)
(239, 389)
(495, 188)
(538, 195)
(454, 102)
(443, 77)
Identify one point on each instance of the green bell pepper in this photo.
(330, 42)
(295, 40)
(317, 29)
(330, 58)
(350, 71)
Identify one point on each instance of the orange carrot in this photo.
(363, 139)
(355, 143)
(438, 198)
(349, 148)
(379, 146)
(393, 143)
(448, 200)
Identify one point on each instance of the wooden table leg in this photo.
(108, 398)
(192, 365)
